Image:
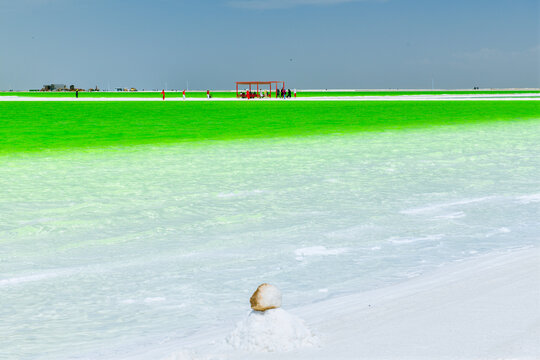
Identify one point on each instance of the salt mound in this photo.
(270, 331)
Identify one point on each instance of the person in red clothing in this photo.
(163, 93)
(184, 94)
(208, 94)
(248, 95)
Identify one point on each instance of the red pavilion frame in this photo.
(258, 83)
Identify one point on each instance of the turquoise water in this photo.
(107, 253)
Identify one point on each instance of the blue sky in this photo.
(307, 43)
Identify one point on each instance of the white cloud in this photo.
(284, 4)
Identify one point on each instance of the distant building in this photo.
(54, 87)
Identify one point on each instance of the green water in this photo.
(125, 227)
(126, 251)
(46, 126)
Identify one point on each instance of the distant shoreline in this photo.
(301, 94)
(298, 89)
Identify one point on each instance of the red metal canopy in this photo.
(257, 83)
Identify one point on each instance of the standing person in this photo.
(277, 93)
(163, 93)
(283, 93)
(289, 93)
(208, 94)
(248, 94)
(295, 93)
(184, 94)
(77, 93)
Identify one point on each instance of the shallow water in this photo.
(111, 252)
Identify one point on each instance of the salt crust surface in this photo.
(175, 97)
(274, 330)
(318, 250)
(482, 308)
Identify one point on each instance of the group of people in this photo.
(280, 93)
(254, 94)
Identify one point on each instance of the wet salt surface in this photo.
(175, 97)
(133, 248)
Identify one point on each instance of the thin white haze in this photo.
(283, 4)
